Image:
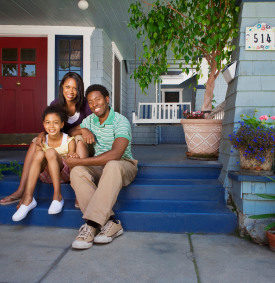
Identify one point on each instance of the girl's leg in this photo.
(82, 150)
(55, 165)
(37, 166)
(26, 169)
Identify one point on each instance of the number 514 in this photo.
(256, 39)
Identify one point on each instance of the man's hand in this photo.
(41, 138)
(72, 162)
(88, 136)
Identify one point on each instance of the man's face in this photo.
(98, 104)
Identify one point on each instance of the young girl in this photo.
(48, 163)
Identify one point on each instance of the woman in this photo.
(71, 98)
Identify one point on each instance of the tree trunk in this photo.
(208, 95)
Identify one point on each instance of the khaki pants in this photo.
(97, 187)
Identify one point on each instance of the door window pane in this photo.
(9, 54)
(28, 70)
(75, 55)
(28, 55)
(64, 55)
(76, 44)
(64, 65)
(9, 70)
(64, 44)
(75, 65)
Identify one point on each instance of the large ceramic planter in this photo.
(202, 136)
(271, 239)
(255, 167)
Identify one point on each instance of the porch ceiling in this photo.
(110, 15)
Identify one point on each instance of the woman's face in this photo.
(70, 90)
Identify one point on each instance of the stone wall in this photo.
(253, 86)
(142, 134)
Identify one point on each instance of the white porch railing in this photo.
(160, 113)
(218, 111)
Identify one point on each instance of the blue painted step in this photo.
(204, 170)
(208, 190)
(164, 198)
(154, 216)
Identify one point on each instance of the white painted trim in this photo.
(50, 32)
(115, 52)
(161, 113)
(180, 90)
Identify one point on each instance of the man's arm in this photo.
(118, 148)
(87, 135)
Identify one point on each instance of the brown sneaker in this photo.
(85, 238)
(108, 232)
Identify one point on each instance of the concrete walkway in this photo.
(35, 254)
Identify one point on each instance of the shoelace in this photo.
(85, 231)
(106, 228)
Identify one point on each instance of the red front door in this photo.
(23, 84)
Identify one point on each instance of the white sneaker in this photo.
(56, 206)
(23, 210)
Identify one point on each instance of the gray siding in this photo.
(101, 60)
(141, 134)
(253, 86)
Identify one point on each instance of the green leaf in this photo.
(272, 225)
(262, 216)
(217, 58)
(266, 196)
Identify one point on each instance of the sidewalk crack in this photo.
(55, 263)
(191, 256)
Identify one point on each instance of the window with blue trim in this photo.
(69, 57)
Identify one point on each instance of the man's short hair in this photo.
(99, 88)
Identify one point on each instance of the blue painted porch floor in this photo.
(170, 194)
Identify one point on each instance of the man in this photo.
(97, 180)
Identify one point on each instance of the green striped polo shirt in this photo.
(115, 126)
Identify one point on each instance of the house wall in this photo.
(253, 86)
(175, 134)
(101, 60)
(124, 90)
(140, 134)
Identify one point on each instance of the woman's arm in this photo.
(41, 138)
(74, 131)
(87, 135)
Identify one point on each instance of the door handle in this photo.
(18, 84)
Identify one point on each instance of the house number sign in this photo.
(260, 37)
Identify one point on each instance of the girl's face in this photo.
(70, 90)
(52, 124)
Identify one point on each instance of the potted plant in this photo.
(202, 135)
(193, 30)
(270, 229)
(254, 139)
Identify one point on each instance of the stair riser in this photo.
(145, 222)
(162, 172)
(178, 173)
(206, 193)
